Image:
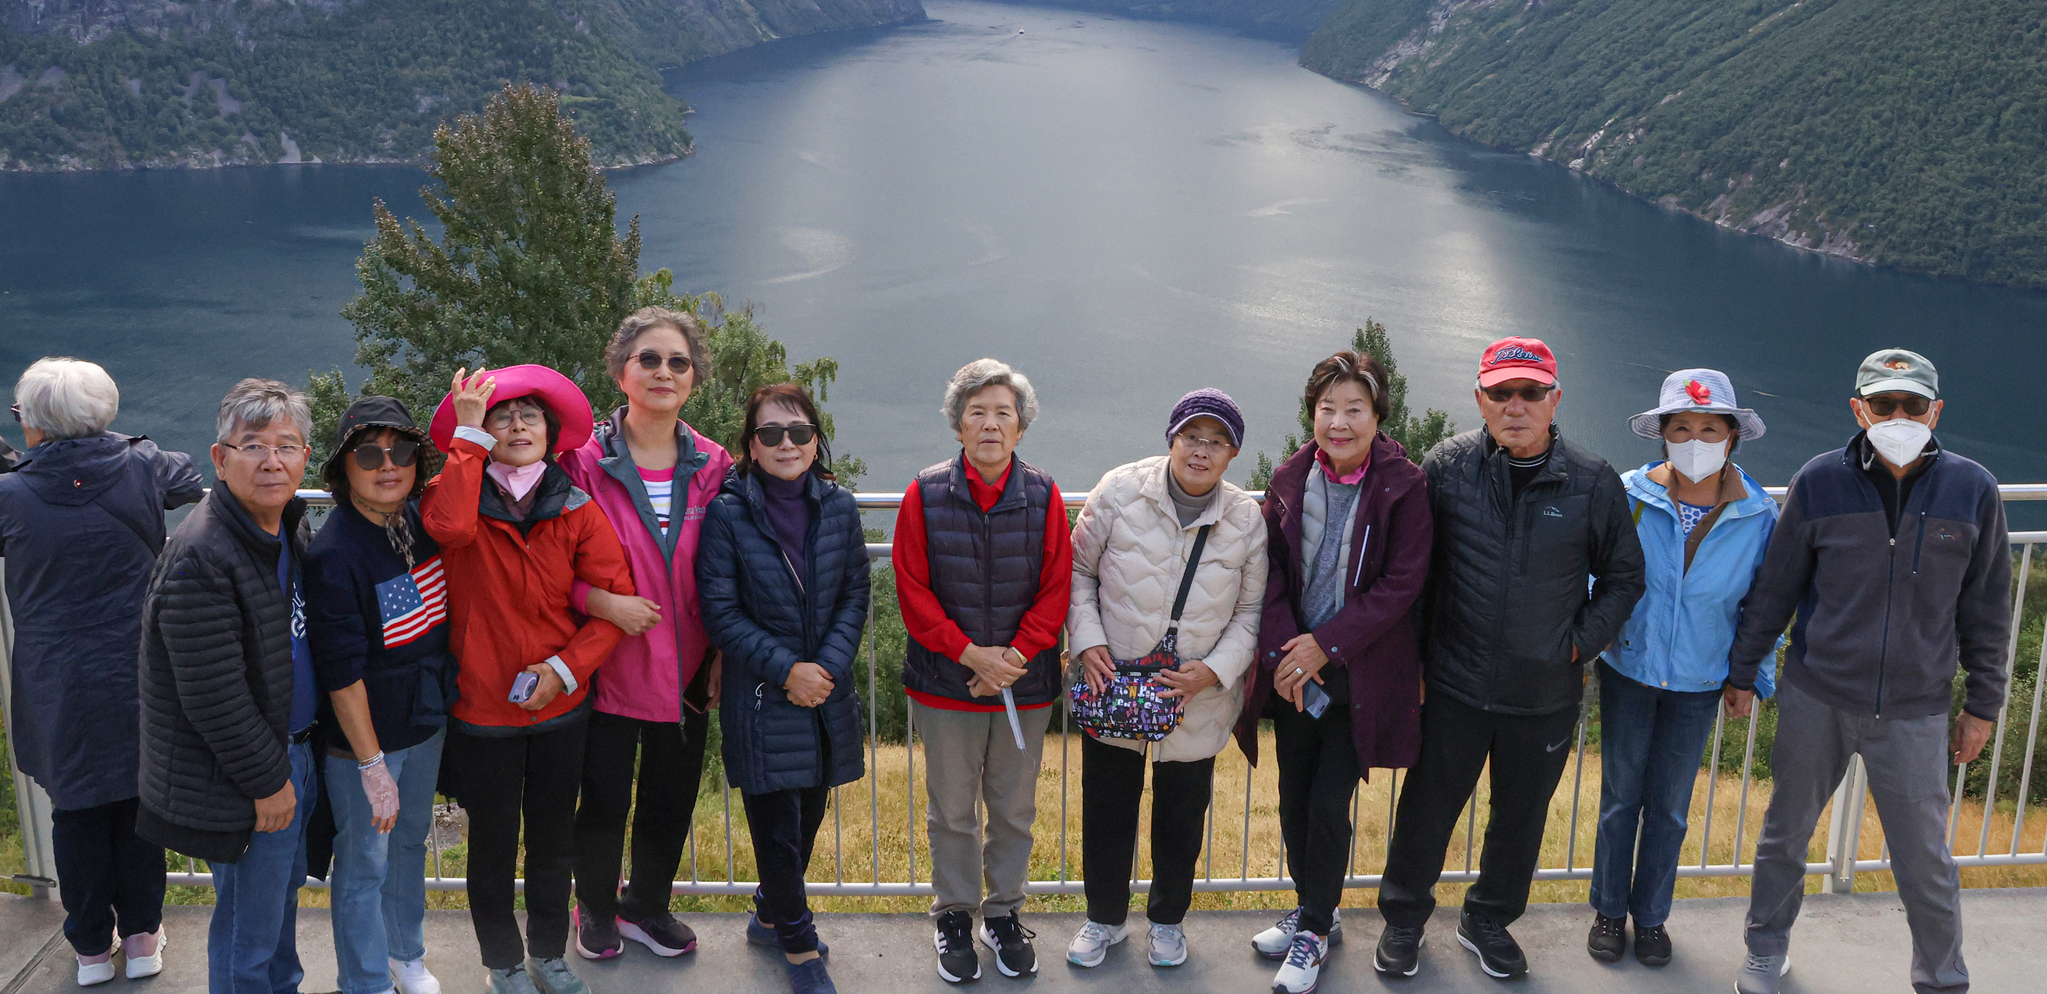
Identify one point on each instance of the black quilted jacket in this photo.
(216, 679)
(765, 621)
(1516, 583)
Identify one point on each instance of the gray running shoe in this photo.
(1762, 974)
(553, 976)
(511, 981)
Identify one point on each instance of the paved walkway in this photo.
(1853, 944)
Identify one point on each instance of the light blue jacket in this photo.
(1681, 631)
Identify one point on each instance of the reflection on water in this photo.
(1124, 209)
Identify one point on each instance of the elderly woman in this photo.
(1704, 524)
(81, 523)
(515, 533)
(1349, 532)
(784, 575)
(1134, 548)
(984, 563)
(377, 616)
(654, 476)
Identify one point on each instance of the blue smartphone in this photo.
(1314, 699)
(522, 687)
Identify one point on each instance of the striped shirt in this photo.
(660, 484)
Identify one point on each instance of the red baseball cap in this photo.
(1516, 359)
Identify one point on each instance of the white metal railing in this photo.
(1843, 832)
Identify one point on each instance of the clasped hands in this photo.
(1192, 677)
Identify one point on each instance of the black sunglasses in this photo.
(1533, 395)
(677, 364)
(771, 435)
(1884, 407)
(402, 453)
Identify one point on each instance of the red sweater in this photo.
(927, 621)
(508, 594)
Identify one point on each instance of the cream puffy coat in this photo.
(1129, 553)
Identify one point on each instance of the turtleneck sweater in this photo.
(789, 512)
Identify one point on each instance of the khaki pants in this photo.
(971, 756)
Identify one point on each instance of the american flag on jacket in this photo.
(413, 603)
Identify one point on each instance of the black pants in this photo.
(1318, 774)
(501, 779)
(1528, 755)
(1111, 785)
(108, 876)
(784, 827)
(671, 768)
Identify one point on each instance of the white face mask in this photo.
(1695, 460)
(1899, 441)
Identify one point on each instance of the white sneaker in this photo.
(96, 972)
(1168, 945)
(411, 977)
(1274, 942)
(1303, 964)
(1091, 945)
(146, 966)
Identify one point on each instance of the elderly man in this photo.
(1893, 554)
(81, 524)
(1522, 517)
(984, 563)
(228, 691)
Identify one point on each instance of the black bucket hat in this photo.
(371, 414)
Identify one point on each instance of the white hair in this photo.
(254, 403)
(981, 374)
(64, 397)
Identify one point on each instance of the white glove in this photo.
(382, 791)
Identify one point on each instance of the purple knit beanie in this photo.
(1207, 402)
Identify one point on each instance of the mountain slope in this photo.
(1290, 20)
(113, 84)
(1903, 132)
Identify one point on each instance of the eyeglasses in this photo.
(526, 416)
(1203, 446)
(678, 364)
(261, 453)
(402, 453)
(771, 435)
(1883, 407)
(1533, 395)
(16, 411)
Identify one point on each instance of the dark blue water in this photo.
(1124, 209)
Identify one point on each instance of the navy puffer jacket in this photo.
(766, 622)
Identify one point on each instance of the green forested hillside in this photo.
(1904, 132)
(110, 84)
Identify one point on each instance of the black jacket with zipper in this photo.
(1518, 582)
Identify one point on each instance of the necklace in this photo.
(381, 517)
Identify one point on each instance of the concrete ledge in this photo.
(1853, 944)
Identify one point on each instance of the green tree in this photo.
(530, 268)
(1415, 433)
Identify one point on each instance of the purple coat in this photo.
(1374, 635)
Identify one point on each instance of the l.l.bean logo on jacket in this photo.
(1552, 512)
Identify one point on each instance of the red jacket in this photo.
(508, 593)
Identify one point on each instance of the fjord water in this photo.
(1124, 209)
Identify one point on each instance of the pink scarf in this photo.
(518, 480)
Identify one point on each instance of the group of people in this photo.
(532, 612)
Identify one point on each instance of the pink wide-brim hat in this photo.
(556, 392)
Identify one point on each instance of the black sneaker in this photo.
(1399, 952)
(1012, 944)
(1498, 954)
(1652, 945)
(1608, 938)
(954, 940)
(661, 933)
(596, 935)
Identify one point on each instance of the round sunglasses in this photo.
(771, 435)
(402, 453)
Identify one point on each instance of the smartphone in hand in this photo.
(522, 687)
(1314, 699)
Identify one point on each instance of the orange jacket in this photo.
(508, 594)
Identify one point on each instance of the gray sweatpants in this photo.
(970, 755)
(1907, 760)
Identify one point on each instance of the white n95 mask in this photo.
(1899, 441)
(1695, 460)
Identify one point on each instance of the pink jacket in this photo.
(645, 676)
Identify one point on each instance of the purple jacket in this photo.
(1374, 636)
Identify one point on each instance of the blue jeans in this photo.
(1650, 743)
(380, 879)
(251, 946)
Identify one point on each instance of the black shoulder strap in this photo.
(1187, 578)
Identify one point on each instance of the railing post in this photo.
(1844, 831)
(39, 859)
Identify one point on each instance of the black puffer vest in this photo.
(985, 569)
